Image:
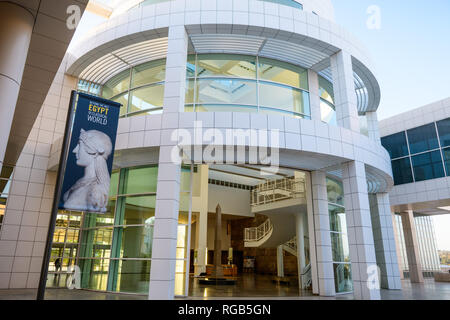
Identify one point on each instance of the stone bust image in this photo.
(90, 193)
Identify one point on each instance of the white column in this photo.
(162, 273)
(397, 246)
(311, 233)
(300, 235)
(280, 261)
(359, 230)
(314, 98)
(322, 234)
(202, 221)
(412, 247)
(372, 126)
(345, 99)
(384, 238)
(16, 27)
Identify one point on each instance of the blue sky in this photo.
(411, 51)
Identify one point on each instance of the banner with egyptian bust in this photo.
(90, 155)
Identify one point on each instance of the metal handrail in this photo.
(277, 190)
(259, 232)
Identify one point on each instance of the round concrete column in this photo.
(16, 27)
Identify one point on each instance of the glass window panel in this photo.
(180, 282)
(343, 277)
(283, 72)
(146, 98)
(396, 145)
(444, 132)
(339, 246)
(133, 276)
(213, 91)
(224, 108)
(114, 183)
(104, 219)
(445, 152)
(138, 210)
(328, 114)
(117, 84)
(189, 97)
(185, 181)
(326, 91)
(401, 169)
(226, 65)
(428, 166)
(136, 242)
(281, 97)
(190, 66)
(337, 219)
(4, 186)
(422, 138)
(122, 99)
(59, 235)
(94, 274)
(335, 191)
(150, 72)
(140, 180)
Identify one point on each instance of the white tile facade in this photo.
(24, 231)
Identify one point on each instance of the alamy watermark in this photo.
(74, 16)
(226, 146)
(374, 20)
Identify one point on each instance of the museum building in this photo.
(279, 77)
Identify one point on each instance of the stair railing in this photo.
(259, 232)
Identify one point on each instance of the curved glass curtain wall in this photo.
(114, 250)
(238, 83)
(140, 89)
(339, 239)
(327, 108)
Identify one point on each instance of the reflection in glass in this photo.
(285, 98)
(343, 277)
(123, 100)
(150, 72)
(116, 85)
(282, 72)
(444, 132)
(136, 242)
(326, 91)
(339, 246)
(146, 98)
(422, 138)
(139, 209)
(335, 191)
(401, 170)
(133, 276)
(140, 180)
(327, 112)
(446, 154)
(226, 65)
(428, 166)
(234, 91)
(396, 145)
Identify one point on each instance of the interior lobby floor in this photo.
(248, 287)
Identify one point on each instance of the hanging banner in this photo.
(90, 155)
